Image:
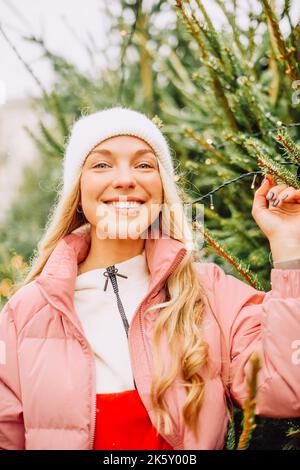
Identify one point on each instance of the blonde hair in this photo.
(181, 313)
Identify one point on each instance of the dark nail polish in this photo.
(276, 202)
(270, 195)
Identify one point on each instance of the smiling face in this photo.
(121, 187)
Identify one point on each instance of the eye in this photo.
(147, 165)
(97, 166)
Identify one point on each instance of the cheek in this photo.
(91, 185)
(155, 188)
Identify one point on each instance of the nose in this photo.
(123, 178)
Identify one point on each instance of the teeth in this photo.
(125, 204)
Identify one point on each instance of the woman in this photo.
(118, 338)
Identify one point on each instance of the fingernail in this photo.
(284, 196)
(276, 202)
(270, 195)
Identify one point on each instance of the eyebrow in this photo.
(108, 152)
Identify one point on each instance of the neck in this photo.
(106, 252)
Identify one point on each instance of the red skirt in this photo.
(122, 423)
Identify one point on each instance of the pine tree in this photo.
(245, 124)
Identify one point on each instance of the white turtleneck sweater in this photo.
(102, 323)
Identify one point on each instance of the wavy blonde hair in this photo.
(181, 313)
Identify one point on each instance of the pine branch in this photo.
(294, 438)
(286, 12)
(231, 20)
(253, 104)
(205, 144)
(64, 128)
(231, 435)
(234, 63)
(285, 54)
(279, 171)
(26, 65)
(42, 145)
(274, 85)
(249, 404)
(137, 9)
(210, 31)
(191, 28)
(56, 146)
(215, 80)
(292, 150)
(241, 268)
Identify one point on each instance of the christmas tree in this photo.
(244, 123)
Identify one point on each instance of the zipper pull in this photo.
(110, 273)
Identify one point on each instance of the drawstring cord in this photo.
(111, 273)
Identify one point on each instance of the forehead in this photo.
(123, 141)
(128, 145)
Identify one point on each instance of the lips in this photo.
(127, 207)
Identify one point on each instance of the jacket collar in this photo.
(58, 277)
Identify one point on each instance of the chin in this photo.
(122, 230)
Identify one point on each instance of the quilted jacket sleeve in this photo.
(12, 433)
(268, 323)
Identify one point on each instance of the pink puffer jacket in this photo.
(47, 367)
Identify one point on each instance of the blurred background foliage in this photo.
(227, 98)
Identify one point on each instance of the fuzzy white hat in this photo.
(90, 130)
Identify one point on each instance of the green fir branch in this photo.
(270, 165)
(285, 54)
(292, 150)
(231, 18)
(239, 265)
(209, 30)
(56, 146)
(249, 405)
(219, 91)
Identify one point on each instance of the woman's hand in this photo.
(276, 210)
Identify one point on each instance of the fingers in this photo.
(259, 201)
(287, 194)
(275, 194)
(282, 193)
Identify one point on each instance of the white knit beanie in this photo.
(90, 130)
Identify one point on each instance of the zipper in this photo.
(111, 273)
